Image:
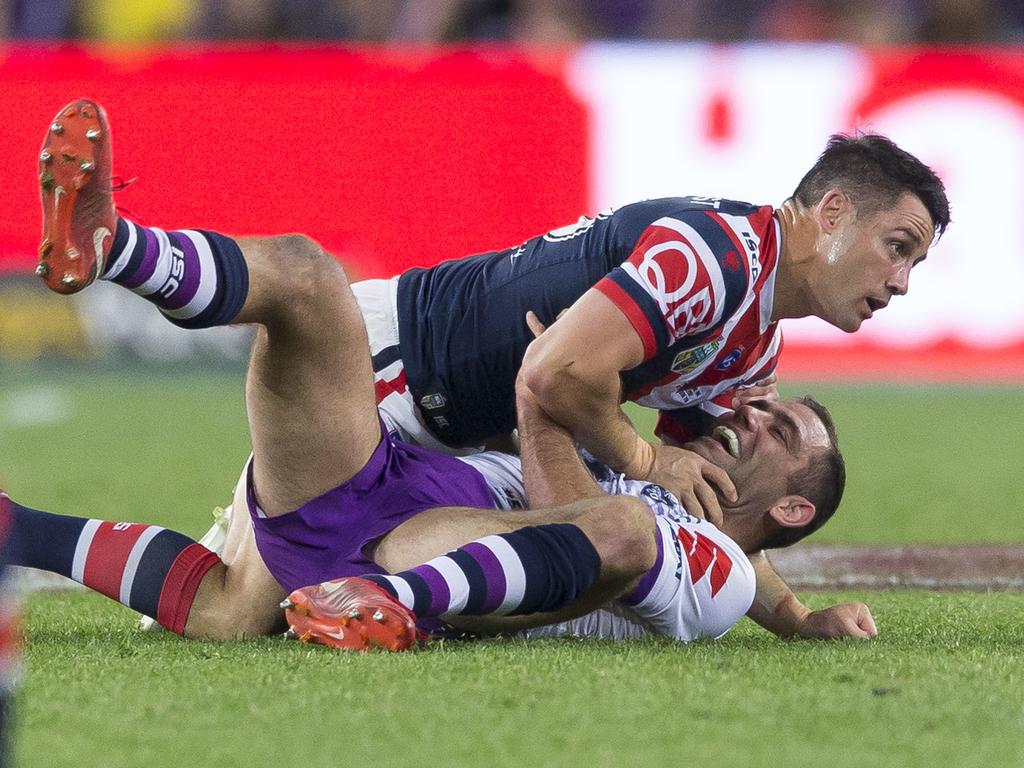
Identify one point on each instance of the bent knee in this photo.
(623, 532)
(309, 268)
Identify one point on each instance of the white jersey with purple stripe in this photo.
(700, 586)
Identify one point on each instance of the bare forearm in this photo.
(589, 408)
(775, 607)
(552, 471)
(573, 370)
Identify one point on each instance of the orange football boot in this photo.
(350, 614)
(79, 218)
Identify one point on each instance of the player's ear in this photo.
(830, 209)
(792, 512)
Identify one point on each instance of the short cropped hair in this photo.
(821, 482)
(874, 173)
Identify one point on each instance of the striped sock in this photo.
(540, 568)
(197, 279)
(150, 569)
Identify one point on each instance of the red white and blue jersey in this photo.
(694, 276)
(698, 289)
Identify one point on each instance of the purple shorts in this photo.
(324, 539)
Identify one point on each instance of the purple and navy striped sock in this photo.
(150, 569)
(540, 568)
(197, 279)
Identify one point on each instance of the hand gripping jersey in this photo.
(694, 276)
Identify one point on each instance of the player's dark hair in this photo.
(821, 482)
(874, 173)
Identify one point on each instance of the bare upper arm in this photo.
(592, 338)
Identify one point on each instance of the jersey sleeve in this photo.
(684, 275)
(704, 584)
(680, 425)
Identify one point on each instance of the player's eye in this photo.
(898, 249)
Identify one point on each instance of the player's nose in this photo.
(749, 416)
(899, 281)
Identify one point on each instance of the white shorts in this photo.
(378, 302)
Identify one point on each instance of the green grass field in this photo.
(942, 685)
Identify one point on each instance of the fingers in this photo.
(866, 621)
(847, 620)
(720, 478)
(854, 630)
(694, 480)
(712, 510)
(534, 324)
(855, 621)
(690, 503)
(764, 389)
(700, 501)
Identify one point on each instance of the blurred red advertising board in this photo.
(391, 158)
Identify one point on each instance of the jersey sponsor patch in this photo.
(726, 362)
(677, 269)
(705, 559)
(689, 360)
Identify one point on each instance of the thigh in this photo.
(309, 391)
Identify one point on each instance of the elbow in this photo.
(543, 377)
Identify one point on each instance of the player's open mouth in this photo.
(874, 304)
(728, 439)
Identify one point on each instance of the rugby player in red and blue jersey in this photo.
(673, 304)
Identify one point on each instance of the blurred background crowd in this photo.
(870, 22)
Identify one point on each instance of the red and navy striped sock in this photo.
(197, 279)
(150, 569)
(540, 568)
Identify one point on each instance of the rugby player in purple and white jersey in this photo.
(331, 493)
